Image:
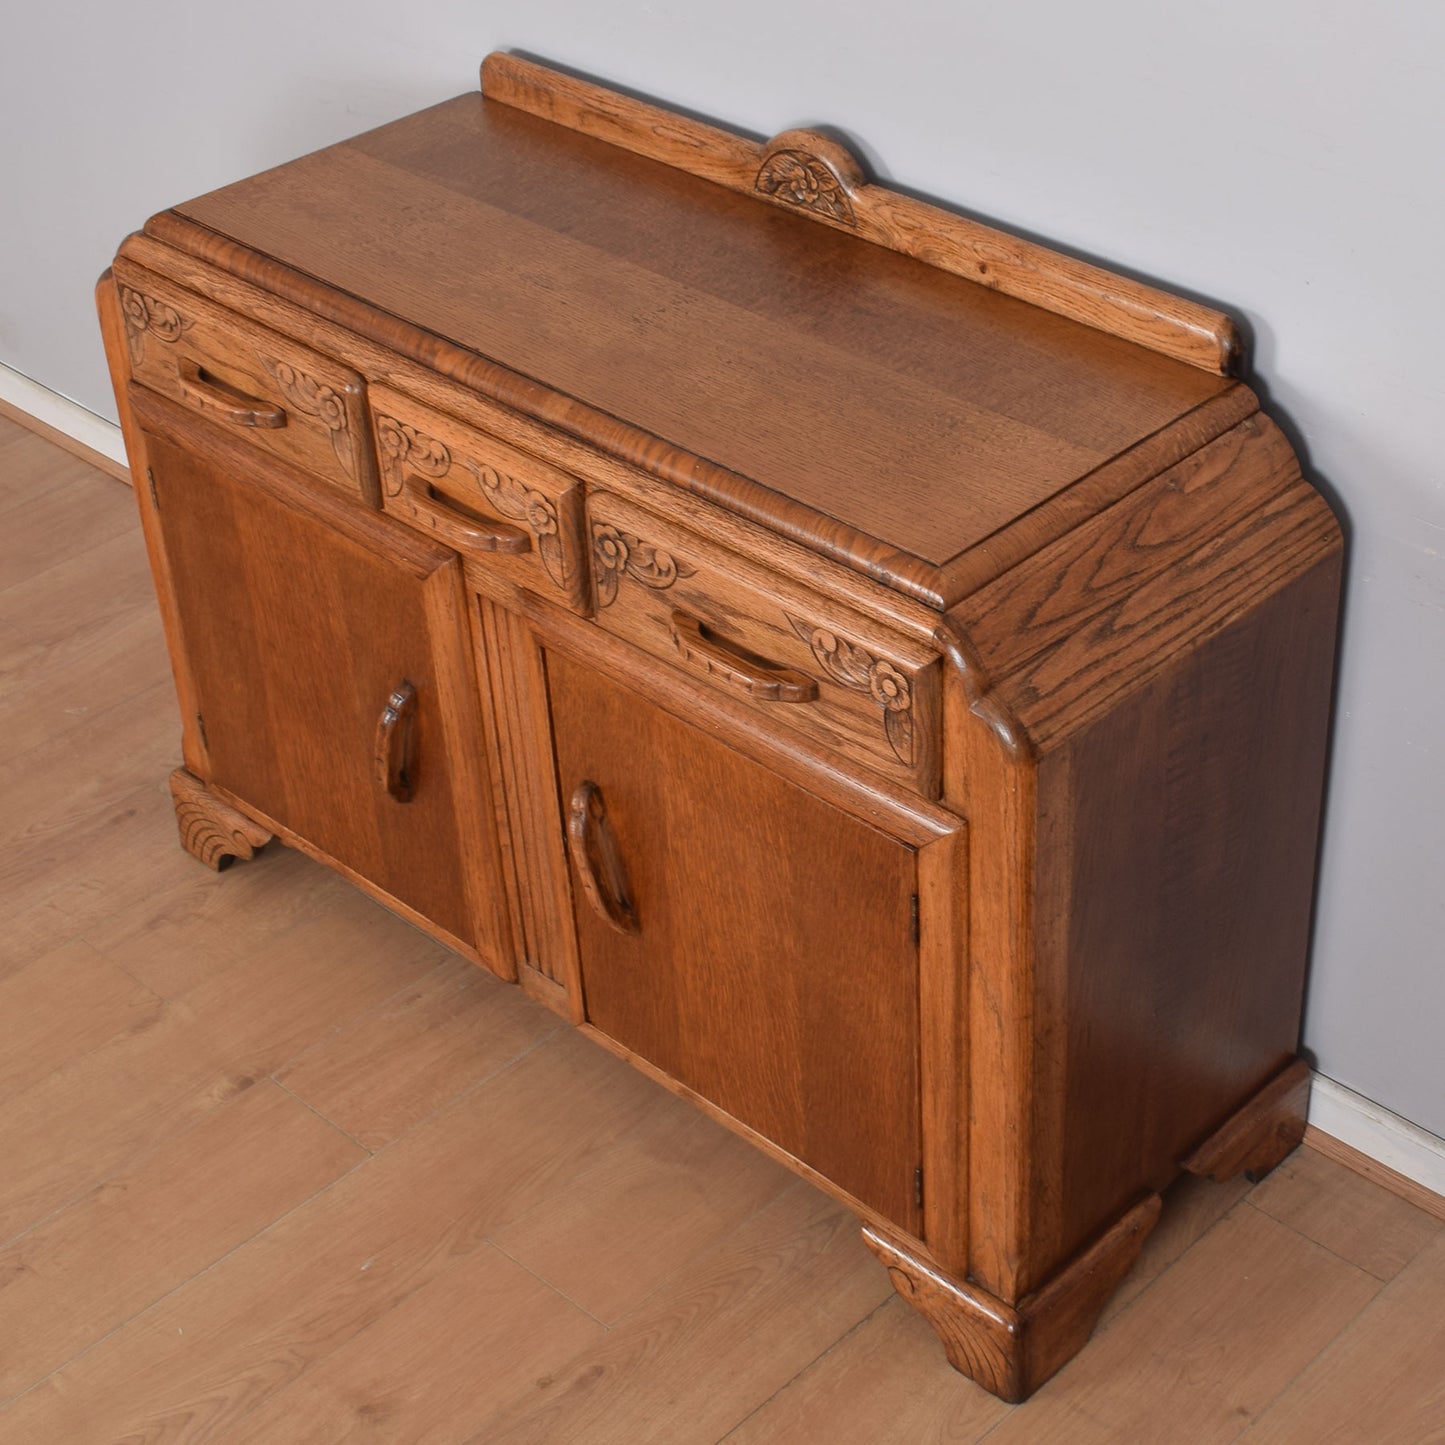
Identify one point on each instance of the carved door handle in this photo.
(465, 533)
(763, 681)
(396, 743)
(598, 859)
(225, 402)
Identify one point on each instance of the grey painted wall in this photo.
(1283, 159)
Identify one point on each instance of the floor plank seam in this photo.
(1334, 1254)
(455, 1099)
(1309, 1364)
(547, 1284)
(331, 1123)
(6, 586)
(164, 687)
(189, 1280)
(803, 1370)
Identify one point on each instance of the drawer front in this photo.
(282, 396)
(803, 661)
(516, 519)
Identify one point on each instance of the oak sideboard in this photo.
(868, 670)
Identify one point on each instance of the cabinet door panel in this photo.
(300, 617)
(768, 961)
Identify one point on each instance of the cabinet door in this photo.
(303, 619)
(748, 939)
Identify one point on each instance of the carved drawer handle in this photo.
(396, 743)
(464, 533)
(761, 680)
(598, 859)
(225, 402)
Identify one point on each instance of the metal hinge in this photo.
(151, 480)
(913, 918)
(918, 1186)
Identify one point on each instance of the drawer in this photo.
(515, 518)
(801, 660)
(289, 400)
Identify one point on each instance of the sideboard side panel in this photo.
(1177, 851)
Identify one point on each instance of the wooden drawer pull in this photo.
(762, 680)
(598, 859)
(225, 402)
(396, 743)
(464, 533)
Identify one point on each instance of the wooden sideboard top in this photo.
(882, 410)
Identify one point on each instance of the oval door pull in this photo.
(465, 533)
(396, 743)
(763, 681)
(598, 859)
(226, 402)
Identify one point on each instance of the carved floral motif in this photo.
(859, 671)
(403, 445)
(534, 509)
(618, 553)
(145, 315)
(807, 182)
(305, 394)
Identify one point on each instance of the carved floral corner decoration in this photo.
(804, 181)
(144, 315)
(314, 398)
(618, 553)
(404, 446)
(533, 509)
(859, 671)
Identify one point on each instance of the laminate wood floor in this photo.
(274, 1167)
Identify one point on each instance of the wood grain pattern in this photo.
(1254, 1310)
(1350, 1215)
(780, 1290)
(211, 830)
(877, 699)
(415, 1053)
(786, 996)
(1012, 1349)
(1398, 1184)
(194, 1198)
(780, 547)
(484, 475)
(510, 657)
(1255, 1138)
(112, 329)
(1381, 1379)
(881, 1381)
(806, 170)
(679, 1187)
(431, 385)
(119, 470)
(822, 414)
(943, 936)
(1206, 1349)
(73, 999)
(468, 1170)
(316, 580)
(237, 372)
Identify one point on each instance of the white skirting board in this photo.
(1385, 1137)
(61, 413)
(1334, 1109)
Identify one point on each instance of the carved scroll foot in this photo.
(1012, 1349)
(211, 830)
(1260, 1135)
